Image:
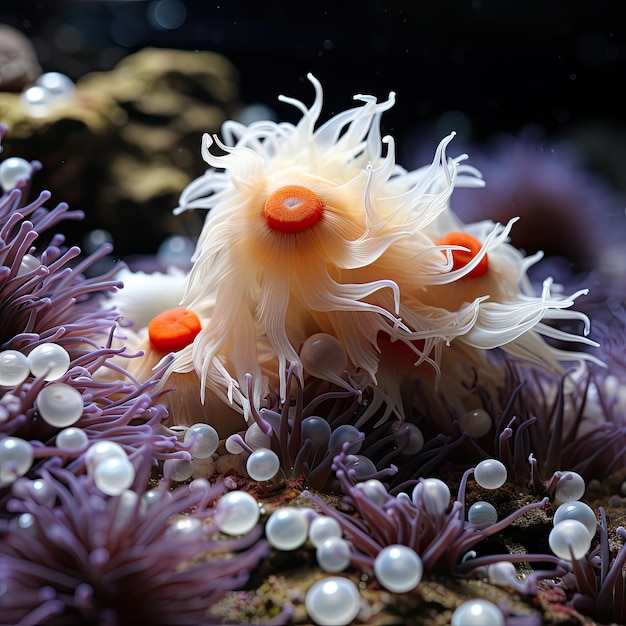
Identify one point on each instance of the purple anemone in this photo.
(599, 585)
(47, 297)
(553, 191)
(564, 422)
(439, 534)
(72, 555)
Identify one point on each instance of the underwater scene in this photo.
(312, 315)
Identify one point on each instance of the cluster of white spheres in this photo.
(50, 90)
(14, 171)
(569, 540)
(398, 568)
(570, 486)
(109, 466)
(16, 458)
(236, 513)
(579, 511)
(477, 613)
(49, 360)
(490, 474)
(333, 601)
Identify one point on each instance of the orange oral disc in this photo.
(292, 209)
(173, 329)
(460, 258)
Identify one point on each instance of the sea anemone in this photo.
(319, 230)
(427, 523)
(76, 556)
(598, 584)
(555, 422)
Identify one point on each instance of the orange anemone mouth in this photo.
(173, 329)
(460, 258)
(292, 209)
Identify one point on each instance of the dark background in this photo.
(480, 67)
(503, 64)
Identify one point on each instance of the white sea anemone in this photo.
(319, 230)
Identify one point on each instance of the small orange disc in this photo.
(173, 329)
(460, 258)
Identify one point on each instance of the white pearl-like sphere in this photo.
(28, 264)
(482, 514)
(317, 429)
(579, 511)
(477, 613)
(414, 435)
(256, 438)
(60, 405)
(36, 101)
(398, 568)
(374, 490)
(60, 87)
(236, 513)
(323, 356)
(502, 573)
(343, 434)
(287, 528)
(42, 492)
(178, 470)
(262, 464)
(570, 486)
(152, 496)
(476, 423)
(14, 171)
(16, 457)
(566, 534)
(490, 474)
(324, 527)
(14, 368)
(71, 438)
(114, 475)
(361, 465)
(333, 555)
(203, 468)
(434, 495)
(101, 450)
(233, 446)
(39, 490)
(205, 438)
(333, 601)
(185, 529)
(49, 356)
